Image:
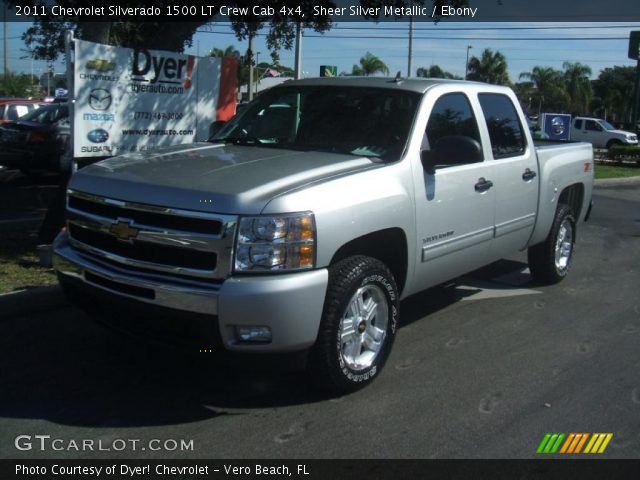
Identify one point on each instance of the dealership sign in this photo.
(134, 100)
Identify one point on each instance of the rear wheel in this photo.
(358, 325)
(550, 260)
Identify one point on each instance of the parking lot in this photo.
(482, 368)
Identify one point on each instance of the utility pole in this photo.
(636, 97)
(466, 65)
(298, 65)
(257, 71)
(250, 60)
(410, 46)
(6, 61)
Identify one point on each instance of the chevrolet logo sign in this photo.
(123, 230)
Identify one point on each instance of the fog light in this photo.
(253, 334)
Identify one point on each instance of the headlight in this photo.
(279, 242)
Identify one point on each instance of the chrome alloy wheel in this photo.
(564, 246)
(363, 327)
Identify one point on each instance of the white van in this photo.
(600, 133)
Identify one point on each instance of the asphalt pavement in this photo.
(482, 368)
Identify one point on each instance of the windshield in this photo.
(372, 122)
(46, 115)
(606, 125)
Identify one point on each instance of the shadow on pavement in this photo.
(63, 367)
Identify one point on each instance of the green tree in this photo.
(549, 92)
(17, 85)
(491, 67)
(370, 65)
(578, 86)
(613, 92)
(434, 71)
(46, 36)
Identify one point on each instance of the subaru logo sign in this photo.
(98, 136)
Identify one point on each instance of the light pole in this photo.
(466, 65)
(257, 71)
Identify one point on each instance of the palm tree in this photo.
(550, 92)
(370, 65)
(490, 67)
(434, 71)
(578, 85)
(230, 51)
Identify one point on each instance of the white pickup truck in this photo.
(600, 133)
(310, 215)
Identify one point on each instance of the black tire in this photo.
(328, 363)
(542, 257)
(612, 143)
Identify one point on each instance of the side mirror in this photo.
(216, 126)
(451, 150)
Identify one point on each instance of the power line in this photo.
(390, 37)
(438, 28)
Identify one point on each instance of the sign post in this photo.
(634, 53)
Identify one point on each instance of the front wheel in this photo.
(358, 325)
(550, 260)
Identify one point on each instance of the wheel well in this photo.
(389, 246)
(573, 196)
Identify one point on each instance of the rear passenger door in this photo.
(455, 205)
(515, 173)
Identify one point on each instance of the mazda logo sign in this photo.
(100, 99)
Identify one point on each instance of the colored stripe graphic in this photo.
(598, 443)
(550, 443)
(574, 442)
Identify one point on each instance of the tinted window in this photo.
(372, 122)
(578, 124)
(592, 125)
(451, 115)
(505, 130)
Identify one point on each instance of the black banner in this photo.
(319, 469)
(337, 10)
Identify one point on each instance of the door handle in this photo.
(528, 175)
(483, 185)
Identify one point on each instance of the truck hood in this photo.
(212, 177)
(622, 133)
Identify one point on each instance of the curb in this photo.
(28, 302)
(612, 182)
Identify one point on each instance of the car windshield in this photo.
(606, 125)
(372, 122)
(47, 115)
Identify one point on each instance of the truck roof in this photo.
(419, 85)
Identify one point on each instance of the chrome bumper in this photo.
(289, 304)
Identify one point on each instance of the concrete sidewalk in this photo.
(30, 301)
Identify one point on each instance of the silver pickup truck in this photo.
(311, 214)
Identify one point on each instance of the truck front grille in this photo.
(143, 251)
(180, 244)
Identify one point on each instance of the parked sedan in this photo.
(36, 142)
(12, 110)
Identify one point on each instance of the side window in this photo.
(12, 112)
(451, 115)
(578, 124)
(505, 131)
(592, 126)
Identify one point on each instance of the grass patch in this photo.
(614, 171)
(19, 262)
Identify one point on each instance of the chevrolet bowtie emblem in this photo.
(123, 230)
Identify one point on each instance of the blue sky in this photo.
(344, 45)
